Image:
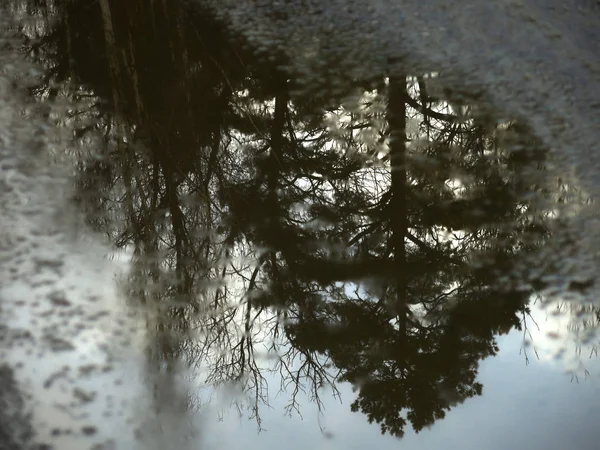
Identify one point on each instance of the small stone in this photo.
(89, 430)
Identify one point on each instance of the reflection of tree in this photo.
(261, 220)
(424, 359)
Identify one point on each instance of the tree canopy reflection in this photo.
(360, 235)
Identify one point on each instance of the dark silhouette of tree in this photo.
(411, 340)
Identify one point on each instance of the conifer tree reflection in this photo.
(411, 340)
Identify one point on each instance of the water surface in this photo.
(212, 241)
